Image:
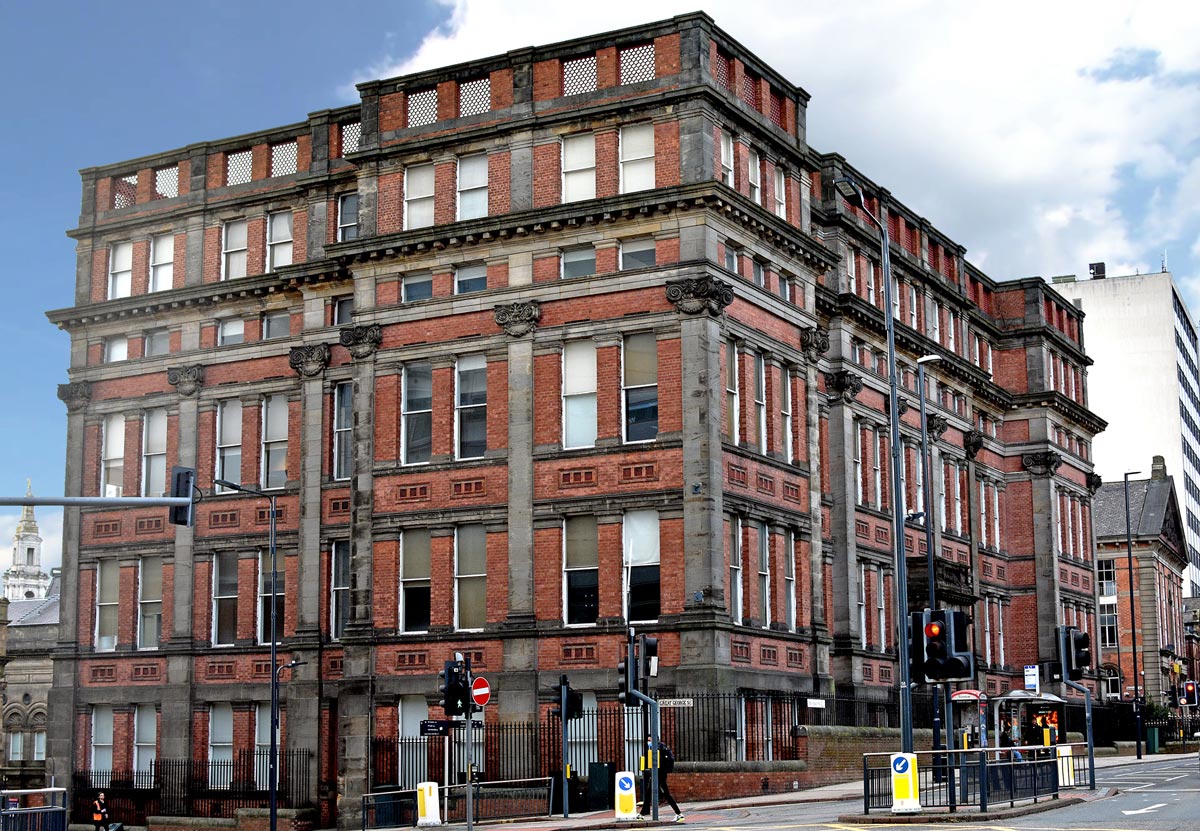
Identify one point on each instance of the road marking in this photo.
(1148, 810)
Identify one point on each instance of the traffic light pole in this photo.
(1087, 707)
(566, 766)
(470, 747)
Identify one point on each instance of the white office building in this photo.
(1145, 383)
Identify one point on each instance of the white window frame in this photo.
(862, 605)
(120, 270)
(881, 608)
(860, 495)
(271, 321)
(264, 596)
(39, 745)
(460, 576)
(419, 195)
(347, 223)
(582, 254)
(780, 193)
(279, 239)
(468, 363)
(737, 609)
(732, 393)
(413, 581)
(149, 603)
(145, 744)
(152, 347)
(471, 189)
(569, 569)
(339, 587)
(785, 411)
(754, 175)
(162, 262)
(235, 254)
(16, 745)
(638, 245)
(626, 387)
(577, 185)
(632, 558)
(343, 430)
(219, 599)
(764, 574)
(760, 400)
(154, 453)
(469, 274)
(229, 414)
(102, 740)
(579, 386)
(727, 158)
(107, 570)
(789, 578)
(407, 412)
(636, 161)
(116, 349)
(272, 440)
(112, 457)
(220, 744)
(226, 334)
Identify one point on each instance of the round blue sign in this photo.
(625, 783)
(900, 765)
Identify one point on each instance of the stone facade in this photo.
(655, 222)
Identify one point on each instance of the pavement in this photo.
(844, 791)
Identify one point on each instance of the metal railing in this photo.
(511, 799)
(979, 778)
(191, 787)
(43, 809)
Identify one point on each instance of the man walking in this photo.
(666, 764)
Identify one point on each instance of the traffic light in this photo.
(183, 485)
(1191, 694)
(648, 656)
(452, 686)
(627, 680)
(916, 647)
(1080, 644)
(947, 654)
(574, 700)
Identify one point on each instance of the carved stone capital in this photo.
(187, 380)
(700, 295)
(75, 395)
(843, 384)
(310, 359)
(362, 341)
(973, 443)
(935, 424)
(1094, 482)
(520, 318)
(815, 342)
(902, 405)
(1044, 463)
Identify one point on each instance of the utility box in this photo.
(601, 776)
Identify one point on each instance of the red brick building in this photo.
(532, 349)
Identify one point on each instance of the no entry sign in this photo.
(481, 691)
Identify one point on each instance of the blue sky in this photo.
(1041, 146)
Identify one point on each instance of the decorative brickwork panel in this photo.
(238, 167)
(885, 673)
(223, 519)
(637, 64)
(263, 515)
(145, 672)
(644, 472)
(750, 89)
(262, 668)
(475, 97)
(124, 191)
(722, 71)
(148, 525)
(579, 75)
(339, 506)
(412, 493)
(422, 108)
(103, 674)
(791, 491)
(166, 182)
(577, 477)
(738, 476)
(769, 655)
(861, 529)
(765, 484)
(220, 669)
(1000, 572)
(868, 672)
(795, 658)
(579, 653)
(740, 651)
(468, 487)
(107, 528)
(409, 660)
(882, 536)
(776, 113)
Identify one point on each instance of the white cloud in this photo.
(1014, 128)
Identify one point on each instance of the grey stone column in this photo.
(520, 653)
(843, 386)
(520, 160)
(301, 688)
(354, 705)
(1040, 468)
(176, 702)
(60, 730)
(701, 302)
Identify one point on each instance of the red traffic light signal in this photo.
(1191, 694)
(933, 629)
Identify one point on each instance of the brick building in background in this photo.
(532, 349)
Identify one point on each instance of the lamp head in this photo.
(928, 359)
(850, 189)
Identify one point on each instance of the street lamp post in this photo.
(273, 759)
(927, 489)
(1137, 695)
(851, 190)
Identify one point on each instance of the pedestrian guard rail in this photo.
(44, 809)
(981, 778)
(511, 799)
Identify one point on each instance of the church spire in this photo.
(25, 580)
(28, 524)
